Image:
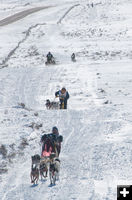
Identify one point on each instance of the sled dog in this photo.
(34, 174)
(35, 159)
(43, 168)
(52, 104)
(54, 169)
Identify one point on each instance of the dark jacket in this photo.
(73, 56)
(57, 145)
(49, 56)
(63, 98)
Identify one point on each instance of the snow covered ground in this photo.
(96, 152)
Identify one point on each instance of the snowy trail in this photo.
(80, 164)
(36, 85)
(97, 141)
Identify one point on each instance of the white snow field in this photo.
(97, 126)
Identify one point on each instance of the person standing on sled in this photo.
(63, 97)
(73, 57)
(49, 57)
(57, 140)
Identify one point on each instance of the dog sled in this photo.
(46, 154)
(50, 61)
(48, 161)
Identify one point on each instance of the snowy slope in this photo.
(96, 152)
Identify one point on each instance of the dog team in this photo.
(49, 160)
(51, 60)
(51, 143)
(63, 96)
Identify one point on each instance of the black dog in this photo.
(52, 105)
(43, 169)
(36, 159)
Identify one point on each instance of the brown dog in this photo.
(34, 174)
(43, 169)
(54, 169)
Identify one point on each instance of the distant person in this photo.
(73, 57)
(49, 57)
(63, 97)
(58, 139)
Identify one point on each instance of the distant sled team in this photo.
(51, 143)
(63, 96)
(49, 160)
(51, 60)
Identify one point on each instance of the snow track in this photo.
(20, 15)
(60, 20)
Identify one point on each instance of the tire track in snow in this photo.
(68, 137)
(66, 13)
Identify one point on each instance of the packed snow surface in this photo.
(97, 148)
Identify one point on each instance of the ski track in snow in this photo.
(96, 152)
(60, 20)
